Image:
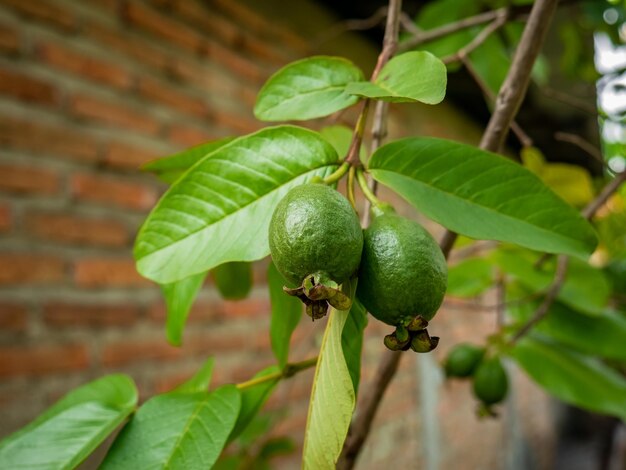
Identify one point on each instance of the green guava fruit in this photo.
(316, 242)
(490, 381)
(403, 273)
(463, 360)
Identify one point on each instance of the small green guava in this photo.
(463, 360)
(491, 383)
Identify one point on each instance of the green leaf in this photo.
(286, 314)
(200, 381)
(332, 400)
(64, 435)
(179, 297)
(233, 280)
(572, 377)
(307, 89)
(170, 168)
(219, 211)
(352, 341)
(481, 195)
(585, 288)
(177, 431)
(252, 399)
(603, 335)
(470, 277)
(412, 76)
(277, 446)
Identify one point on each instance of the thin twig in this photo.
(534, 33)
(351, 25)
(436, 33)
(578, 141)
(570, 100)
(591, 209)
(551, 295)
(478, 40)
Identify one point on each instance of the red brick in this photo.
(23, 268)
(111, 191)
(28, 89)
(130, 46)
(106, 272)
(24, 179)
(167, 95)
(66, 314)
(6, 218)
(112, 113)
(41, 360)
(122, 353)
(84, 66)
(9, 40)
(188, 135)
(45, 12)
(119, 155)
(13, 317)
(252, 21)
(44, 140)
(78, 230)
(239, 124)
(159, 25)
(236, 63)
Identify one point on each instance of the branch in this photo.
(534, 33)
(478, 40)
(516, 83)
(351, 25)
(289, 370)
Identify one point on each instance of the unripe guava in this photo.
(490, 381)
(463, 360)
(315, 230)
(403, 273)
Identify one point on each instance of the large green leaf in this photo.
(219, 211)
(177, 431)
(412, 76)
(586, 288)
(233, 280)
(201, 380)
(179, 297)
(481, 195)
(332, 400)
(64, 435)
(172, 167)
(253, 398)
(307, 89)
(352, 341)
(573, 377)
(286, 314)
(603, 335)
(470, 277)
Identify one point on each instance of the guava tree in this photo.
(236, 200)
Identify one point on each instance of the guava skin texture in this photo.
(491, 382)
(463, 360)
(403, 272)
(314, 229)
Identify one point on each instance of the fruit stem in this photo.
(338, 174)
(288, 371)
(367, 192)
(351, 198)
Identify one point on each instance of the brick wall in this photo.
(88, 92)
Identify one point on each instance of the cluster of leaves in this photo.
(215, 216)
